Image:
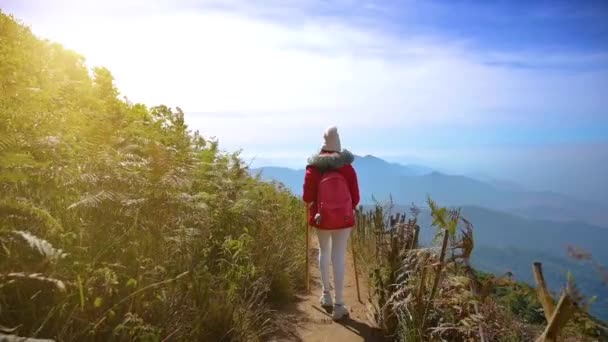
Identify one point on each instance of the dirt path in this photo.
(309, 322)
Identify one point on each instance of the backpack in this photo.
(334, 201)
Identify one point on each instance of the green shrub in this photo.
(117, 222)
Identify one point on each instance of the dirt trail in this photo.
(309, 322)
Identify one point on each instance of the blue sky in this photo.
(465, 86)
(505, 25)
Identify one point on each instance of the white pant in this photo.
(337, 250)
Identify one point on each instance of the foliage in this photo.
(519, 298)
(119, 223)
(431, 293)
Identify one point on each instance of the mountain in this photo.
(555, 213)
(498, 229)
(406, 184)
(500, 184)
(367, 169)
(370, 165)
(292, 179)
(508, 242)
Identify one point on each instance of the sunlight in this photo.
(403, 130)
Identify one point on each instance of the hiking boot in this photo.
(340, 312)
(325, 300)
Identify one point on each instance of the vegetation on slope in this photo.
(117, 222)
(432, 293)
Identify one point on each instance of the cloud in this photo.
(291, 68)
(513, 89)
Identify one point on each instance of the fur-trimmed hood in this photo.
(331, 161)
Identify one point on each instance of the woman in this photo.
(332, 192)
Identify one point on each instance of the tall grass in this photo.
(431, 293)
(119, 223)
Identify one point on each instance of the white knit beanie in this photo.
(332, 140)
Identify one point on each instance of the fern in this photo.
(24, 208)
(145, 208)
(94, 201)
(50, 141)
(8, 142)
(89, 178)
(15, 338)
(35, 277)
(41, 246)
(173, 180)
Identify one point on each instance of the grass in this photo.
(431, 293)
(119, 223)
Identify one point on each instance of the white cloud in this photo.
(287, 82)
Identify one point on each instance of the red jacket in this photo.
(329, 161)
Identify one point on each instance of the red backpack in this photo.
(334, 201)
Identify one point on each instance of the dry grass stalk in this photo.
(557, 317)
(307, 274)
(352, 246)
(541, 289)
(563, 312)
(438, 271)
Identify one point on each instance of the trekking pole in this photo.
(352, 246)
(307, 278)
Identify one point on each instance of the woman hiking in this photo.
(331, 191)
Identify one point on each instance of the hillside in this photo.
(379, 179)
(506, 242)
(426, 289)
(118, 223)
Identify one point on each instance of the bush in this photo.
(431, 293)
(117, 222)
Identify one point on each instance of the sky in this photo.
(516, 90)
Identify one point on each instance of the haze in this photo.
(508, 90)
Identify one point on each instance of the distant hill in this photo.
(498, 229)
(412, 183)
(370, 164)
(292, 179)
(554, 213)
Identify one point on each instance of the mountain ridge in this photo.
(380, 179)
